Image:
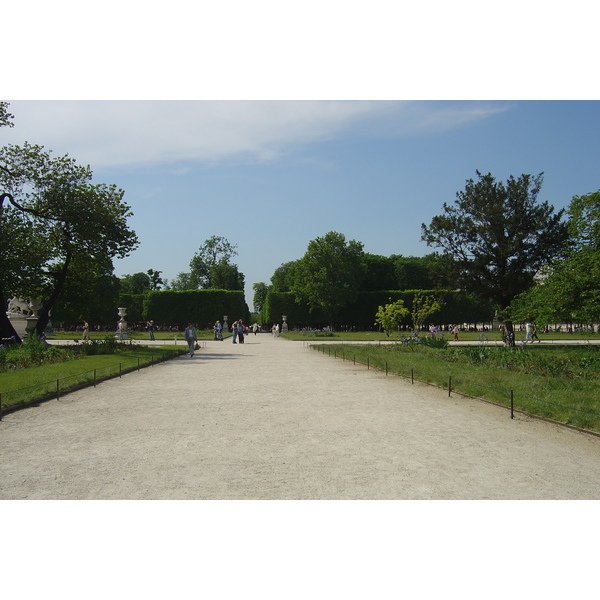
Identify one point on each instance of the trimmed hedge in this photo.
(458, 308)
(202, 307)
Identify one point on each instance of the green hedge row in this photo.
(202, 307)
(457, 308)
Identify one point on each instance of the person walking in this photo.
(455, 331)
(528, 330)
(86, 331)
(151, 329)
(189, 335)
(240, 331)
(234, 332)
(534, 335)
(219, 331)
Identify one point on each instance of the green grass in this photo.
(559, 383)
(26, 385)
(202, 334)
(374, 336)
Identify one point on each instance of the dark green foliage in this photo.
(457, 308)
(135, 305)
(202, 307)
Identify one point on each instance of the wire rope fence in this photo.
(577, 414)
(55, 388)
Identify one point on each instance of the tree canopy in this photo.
(214, 251)
(52, 216)
(497, 236)
(330, 273)
(569, 289)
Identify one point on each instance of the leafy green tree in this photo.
(569, 288)
(223, 276)
(379, 273)
(390, 316)
(497, 237)
(261, 289)
(5, 117)
(138, 283)
(91, 292)
(423, 306)
(156, 281)
(330, 273)
(213, 251)
(283, 278)
(182, 282)
(68, 216)
(416, 272)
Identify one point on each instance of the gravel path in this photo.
(272, 419)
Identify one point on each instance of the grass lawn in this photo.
(202, 334)
(557, 382)
(40, 382)
(363, 336)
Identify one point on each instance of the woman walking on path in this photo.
(234, 332)
(190, 337)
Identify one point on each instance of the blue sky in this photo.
(271, 175)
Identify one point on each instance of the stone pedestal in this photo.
(284, 327)
(225, 325)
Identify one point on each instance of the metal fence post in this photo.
(511, 404)
(449, 384)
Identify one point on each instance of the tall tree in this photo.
(330, 273)
(71, 218)
(261, 289)
(156, 281)
(213, 251)
(498, 237)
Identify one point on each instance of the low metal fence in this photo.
(55, 388)
(455, 384)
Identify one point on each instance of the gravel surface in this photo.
(272, 419)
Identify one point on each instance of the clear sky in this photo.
(271, 175)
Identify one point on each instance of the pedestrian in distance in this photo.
(240, 331)
(189, 335)
(455, 331)
(234, 332)
(534, 335)
(86, 331)
(151, 329)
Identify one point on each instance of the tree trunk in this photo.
(44, 316)
(509, 333)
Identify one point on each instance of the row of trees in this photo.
(496, 242)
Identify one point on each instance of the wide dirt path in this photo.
(272, 419)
